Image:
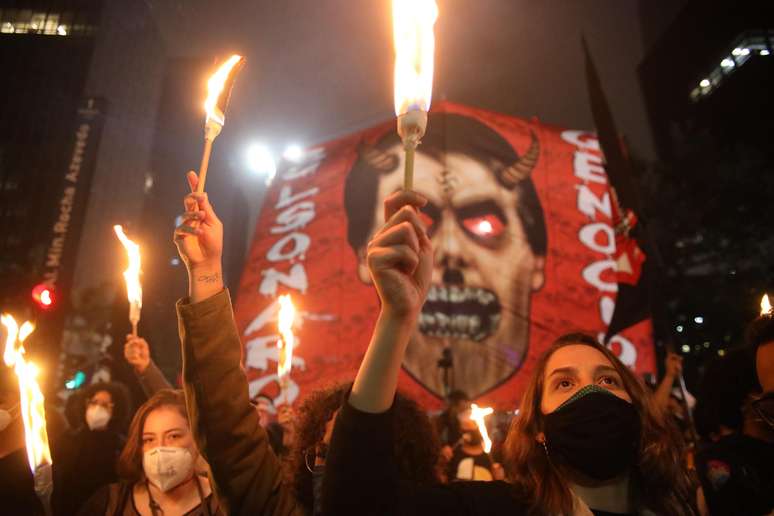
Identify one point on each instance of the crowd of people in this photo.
(589, 437)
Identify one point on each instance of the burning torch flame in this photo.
(215, 87)
(413, 22)
(765, 305)
(131, 275)
(478, 414)
(31, 398)
(287, 315)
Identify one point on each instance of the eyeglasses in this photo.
(764, 407)
(310, 456)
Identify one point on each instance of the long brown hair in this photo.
(660, 476)
(130, 460)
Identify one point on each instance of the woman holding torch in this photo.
(588, 439)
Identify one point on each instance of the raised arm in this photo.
(400, 260)
(247, 475)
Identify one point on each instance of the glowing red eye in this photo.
(426, 219)
(485, 226)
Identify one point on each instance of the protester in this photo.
(469, 460)
(737, 471)
(447, 424)
(415, 451)
(669, 398)
(248, 477)
(150, 377)
(157, 466)
(588, 437)
(87, 453)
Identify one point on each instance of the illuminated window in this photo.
(748, 45)
(25, 21)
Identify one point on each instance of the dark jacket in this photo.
(247, 476)
(361, 477)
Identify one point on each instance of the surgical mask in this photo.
(7, 417)
(595, 433)
(97, 417)
(167, 467)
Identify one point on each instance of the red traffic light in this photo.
(43, 296)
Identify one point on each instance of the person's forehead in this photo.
(576, 356)
(102, 396)
(764, 363)
(164, 418)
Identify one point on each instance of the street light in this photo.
(293, 153)
(261, 161)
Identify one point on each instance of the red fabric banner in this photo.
(521, 222)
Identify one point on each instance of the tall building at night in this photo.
(707, 82)
(81, 80)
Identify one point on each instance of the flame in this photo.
(215, 86)
(287, 315)
(413, 22)
(31, 397)
(478, 414)
(132, 273)
(765, 305)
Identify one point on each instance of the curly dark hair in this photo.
(417, 447)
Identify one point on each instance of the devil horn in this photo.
(523, 167)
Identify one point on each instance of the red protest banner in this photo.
(520, 217)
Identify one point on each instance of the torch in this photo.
(33, 409)
(287, 315)
(478, 414)
(132, 277)
(218, 92)
(413, 22)
(765, 305)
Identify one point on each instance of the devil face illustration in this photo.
(483, 217)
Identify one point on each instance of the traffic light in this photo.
(43, 296)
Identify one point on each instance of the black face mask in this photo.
(595, 433)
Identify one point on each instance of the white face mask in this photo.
(6, 417)
(97, 417)
(167, 467)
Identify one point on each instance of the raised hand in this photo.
(137, 353)
(673, 365)
(400, 256)
(199, 241)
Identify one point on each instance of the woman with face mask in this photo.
(85, 456)
(587, 440)
(157, 467)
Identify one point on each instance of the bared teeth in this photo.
(460, 313)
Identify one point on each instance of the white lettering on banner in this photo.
(295, 212)
(272, 279)
(590, 204)
(590, 235)
(598, 235)
(298, 242)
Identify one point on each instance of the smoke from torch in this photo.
(32, 405)
(478, 414)
(132, 277)
(414, 40)
(219, 88)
